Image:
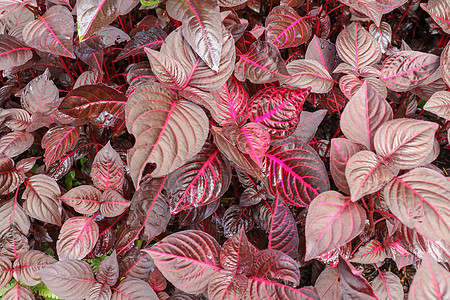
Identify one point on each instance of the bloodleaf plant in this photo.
(224, 149)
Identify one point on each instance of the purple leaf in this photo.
(234, 218)
(430, 282)
(236, 255)
(278, 109)
(13, 52)
(296, 172)
(9, 177)
(15, 143)
(357, 47)
(156, 119)
(57, 141)
(274, 265)
(202, 180)
(52, 32)
(19, 292)
(157, 281)
(405, 143)
(371, 253)
(151, 38)
(108, 271)
(201, 27)
(133, 288)
(308, 124)
(136, 264)
(40, 94)
(107, 170)
(406, 70)
(28, 264)
(6, 271)
(41, 199)
(77, 238)
(225, 284)
(94, 15)
(328, 285)
(387, 286)
(364, 114)
(418, 198)
(309, 73)
(99, 291)
(368, 8)
(354, 285)
(13, 243)
(195, 250)
(332, 221)
(198, 214)
(285, 28)
(283, 234)
(261, 64)
(68, 279)
(440, 12)
(324, 52)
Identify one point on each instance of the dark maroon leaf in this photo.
(27, 265)
(197, 214)
(296, 172)
(157, 281)
(197, 251)
(202, 180)
(332, 221)
(278, 109)
(41, 199)
(354, 285)
(13, 52)
(68, 279)
(283, 235)
(136, 264)
(57, 141)
(285, 28)
(77, 238)
(108, 271)
(234, 218)
(133, 288)
(274, 265)
(308, 124)
(445, 64)
(99, 104)
(52, 32)
(225, 284)
(151, 38)
(369, 8)
(106, 240)
(261, 64)
(236, 255)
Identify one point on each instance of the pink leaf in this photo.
(371, 253)
(387, 6)
(107, 169)
(28, 264)
(439, 10)
(57, 141)
(19, 292)
(85, 199)
(309, 73)
(13, 52)
(94, 15)
(15, 143)
(113, 204)
(6, 271)
(274, 265)
(108, 271)
(439, 104)
(9, 177)
(133, 288)
(370, 8)
(40, 94)
(445, 64)
(328, 285)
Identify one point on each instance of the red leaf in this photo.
(439, 11)
(136, 264)
(52, 32)
(354, 285)
(274, 265)
(296, 172)
(332, 221)
(225, 284)
(236, 255)
(195, 250)
(57, 141)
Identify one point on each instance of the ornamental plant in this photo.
(224, 149)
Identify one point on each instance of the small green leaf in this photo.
(150, 2)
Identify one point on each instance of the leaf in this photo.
(357, 47)
(28, 264)
(328, 285)
(18, 119)
(9, 178)
(168, 70)
(430, 281)
(18, 292)
(264, 289)
(261, 64)
(309, 73)
(13, 52)
(107, 169)
(371, 253)
(149, 210)
(151, 38)
(15, 143)
(274, 265)
(354, 285)
(323, 52)
(99, 292)
(383, 34)
(332, 221)
(136, 264)
(225, 284)
(51, 32)
(296, 171)
(445, 64)
(113, 203)
(41, 199)
(351, 84)
(85, 199)
(418, 198)
(57, 141)
(234, 218)
(77, 238)
(198, 214)
(94, 15)
(133, 288)
(157, 280)
(405, 70)
(285, 28)
(405, 143)
(13, 243)
(12, 214)
(368, 8)
(308, 124)
(278, 109)
(387, 285)
(283, 234)
(152, 106)
(197, 253)
(366, 174)
(6, 271)
(108, 271)
(68, 279)
(439, 104)
(202, 180)
(98, 103)
(439, 10)
(40, 94)
(236, 255)
(387, 6)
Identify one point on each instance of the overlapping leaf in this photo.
(12, 214)
(57, 141)
(94, 15)
(13, 52)
(439, 10)
(77, 238)
(387, 285)
(9, 177)
(445, 64)
(85, 199)
(439, 104)
(332, 221)
(200, 181)
(98, 103)
(296, 172)
(419, 199)
(225, 284)
(309, 73)
(285, 28)
(107, 170)
(15, 143)
(234, 218)
(369, 8)
(197, 253)
(151, 38)
(387, 6)
(236, 254)
(19, 292)
(158, 121)
(327, 284)
(17, 119)
(133, 288)
(371, 253)
(113, 203)
(27, 265)
(5, 271)
(354, 285)
(322, 51)
(52, 32)
(136, 264)
(39, 95)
